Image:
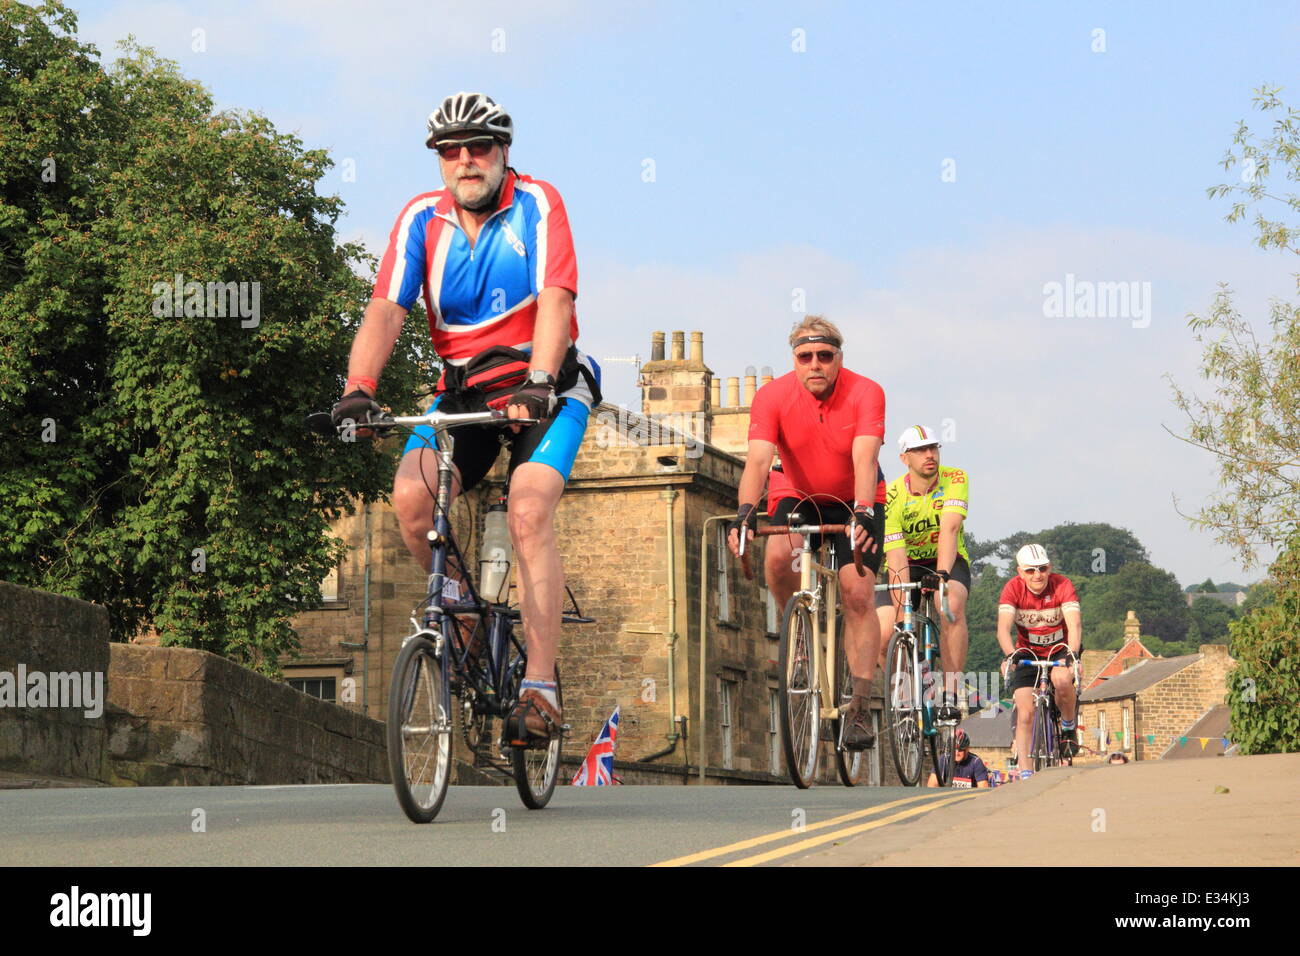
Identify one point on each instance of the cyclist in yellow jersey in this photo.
(925, 509)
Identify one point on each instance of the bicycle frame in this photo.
(819, 590)
(925, 651)
(500, 630)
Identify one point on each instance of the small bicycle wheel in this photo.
(536, 769)
(848, 763)
(419, 730)
(800, 693)
(903, 719)
(943, 752)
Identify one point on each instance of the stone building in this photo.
(641, 529)
(1154, 704)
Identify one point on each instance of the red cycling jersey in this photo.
(1040, 618)
(815, 437)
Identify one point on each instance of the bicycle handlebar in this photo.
(800, 529)
(323, 424)
(916, 586)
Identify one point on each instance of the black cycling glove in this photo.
(538, 398)
(355, 405)
(864, 516)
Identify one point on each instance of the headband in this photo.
(816, 339)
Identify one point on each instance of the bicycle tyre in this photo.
(536, 769)
(943, 753)
(1039, 744)
(419, 730)
(848, 763)
(800, 694)
(902, 712)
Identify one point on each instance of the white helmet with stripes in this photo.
(917, 436)
(469, 113)
(1032, 556)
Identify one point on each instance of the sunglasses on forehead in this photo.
(478, 148)
(824, 356)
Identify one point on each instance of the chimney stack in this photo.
(679, 346)
(697, 347)
(717, 393)
(733, 391)
(656, 346)
(750, 384)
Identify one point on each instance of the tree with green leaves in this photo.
(1251, 426)
(1251, 423)
(173, 301)
(1079, 549)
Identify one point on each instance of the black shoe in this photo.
(858, 734)
(1069, 742)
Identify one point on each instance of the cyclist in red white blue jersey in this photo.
(494, 257)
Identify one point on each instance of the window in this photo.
(1127, 742)
(329, 588)
(774, 730)
(726, 688)
(773, 613)
(322, 687)
(723, 566)
(1101, 730)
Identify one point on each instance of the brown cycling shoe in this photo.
(858, 734)
(533, 720)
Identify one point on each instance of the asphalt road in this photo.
(361, 825)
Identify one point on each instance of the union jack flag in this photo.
(597, 769)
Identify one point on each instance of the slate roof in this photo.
(1213, 724)
(1138, 677)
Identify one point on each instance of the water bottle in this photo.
(496, 556)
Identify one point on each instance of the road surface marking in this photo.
(787, 833)
(842, 834)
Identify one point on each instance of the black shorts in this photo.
(960, 573)
(1028, 676)
(821, 512)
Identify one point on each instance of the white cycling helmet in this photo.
(469, 113)
(1032, 556)
(917, 436)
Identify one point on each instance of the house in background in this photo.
(1152, 705)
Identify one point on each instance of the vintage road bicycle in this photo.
(462, 646)
(1047, 747)
(913, 672)
(815, 683)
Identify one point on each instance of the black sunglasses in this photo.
(478, 148)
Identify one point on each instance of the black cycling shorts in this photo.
(822, 512)
(960, 573)
(1028, 676)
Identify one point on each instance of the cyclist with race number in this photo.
(494, 256)
(925, 510)
(1049, 625)
(969, 772)
(828, 424)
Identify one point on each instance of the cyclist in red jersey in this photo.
(828, 424)
(1045, 610)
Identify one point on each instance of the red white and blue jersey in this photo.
(485, 295)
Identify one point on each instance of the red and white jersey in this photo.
(1040, 618)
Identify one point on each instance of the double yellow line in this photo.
(931, 803)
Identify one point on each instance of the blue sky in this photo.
(819, 169)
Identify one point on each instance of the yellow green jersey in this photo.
(912, 521)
